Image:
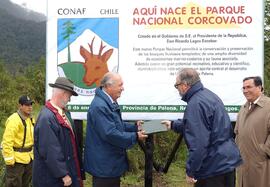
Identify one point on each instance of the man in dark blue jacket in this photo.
(57, 161)
(107, 135)
(213, 154)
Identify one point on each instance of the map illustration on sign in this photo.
(87, 49)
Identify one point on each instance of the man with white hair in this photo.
(57, 160)
(107, 135)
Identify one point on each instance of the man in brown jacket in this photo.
(253, 135)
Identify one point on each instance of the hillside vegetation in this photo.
(22, 40)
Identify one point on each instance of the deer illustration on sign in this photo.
(95, 65)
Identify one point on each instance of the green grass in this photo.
(174, 178)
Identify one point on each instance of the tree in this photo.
(267, 20)
(7, 92)
(69, 30)
(35, 76)
(267, 47)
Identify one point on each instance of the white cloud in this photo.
(35, 5)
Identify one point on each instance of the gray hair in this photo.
(56, 91)
(188, 76)
(108, 79)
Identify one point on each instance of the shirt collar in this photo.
(256, 101)
(60, 110)
(22, 115)
(108, 96)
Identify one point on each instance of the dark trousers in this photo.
(224, 180)
(106, 182)
(18, 175)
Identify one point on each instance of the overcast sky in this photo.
(36, 5)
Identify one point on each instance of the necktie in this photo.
(116, 106)
(66, 120)
(251, 106)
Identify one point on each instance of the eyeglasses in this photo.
(177, 84)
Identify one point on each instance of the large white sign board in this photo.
(147, 42)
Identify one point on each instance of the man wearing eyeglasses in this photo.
(253, 135)
(206, 127)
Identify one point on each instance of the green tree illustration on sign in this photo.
(68, 31)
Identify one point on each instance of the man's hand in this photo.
(141, 135)
(139, 124)
(190, 180)
(167, 123)
(67, 180)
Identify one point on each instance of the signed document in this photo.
(153, 126)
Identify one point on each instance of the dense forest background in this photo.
(22, 56)
(22, 70)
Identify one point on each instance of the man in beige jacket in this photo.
(253, 135)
